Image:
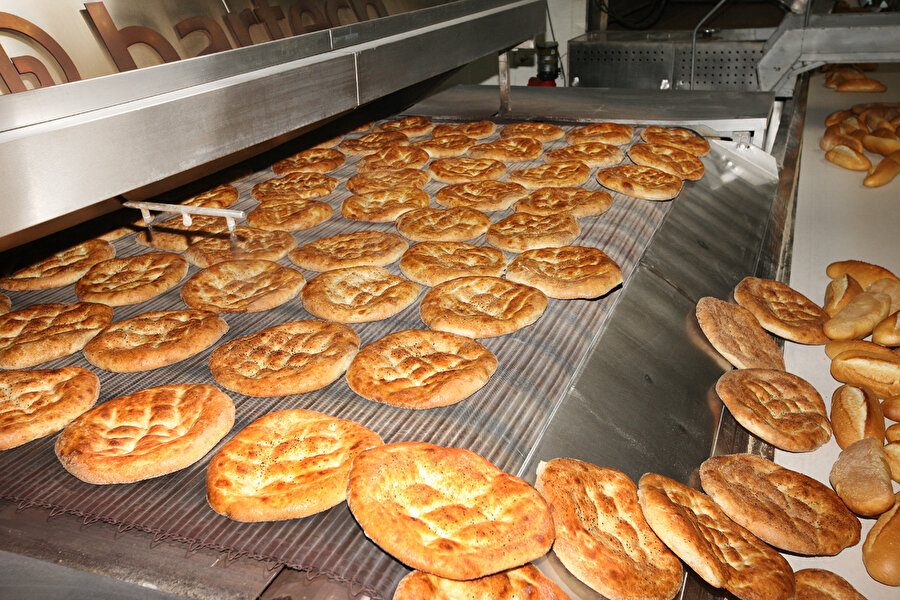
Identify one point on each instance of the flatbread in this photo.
(150, 433)
(578, 202)
(509, 149)
(515, 584)
(431, 263)
(593, 154)
(296, 185)
(361, 248)
(784, 508)
(679, 138)
(480, 307)
(221, 196)
(63, 268)
(544, 132)
(819, 584)
(474, 129)
(154, 339)
(410, 126)
(446, 146)
(289, 216)
(358, 294)
(461, 170)
(235, 286)
(291, 358)
(736, 334)
(523, 231)
(384, 206)
(670, 159)
(38, 402)
(393, 157)
(174, 236)
(314, 160)
(607, 133)
(776, 406)
(566, 272)
(719, 550)
(385, 179)
(372, 142)
(130, 280)
(5, 304)
(601, 535)
(41, 332)
(447, 511)
(486, 196)
(782, 310)
(559, 174)
(440, 225)
(640, 181)
(245, 243)
(287, 464)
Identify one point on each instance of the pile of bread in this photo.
(871, 128)
(852, 78)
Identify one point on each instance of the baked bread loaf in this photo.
(601, 535)
(386, 179)
(314, 160)
(150, 433)
(891, 408)
(473, 129)
(835, 347)
(384, 206)
(558, 174)
(221, 196)
(296, 185)
(421, 369)
(410, 126)
(578, 202)
(393, 158)
(647, 183)
(62, 268)
(287, 464)
(672, 160)
(855, 414)
(878, 372)
(289, 216)
(677, 137)
(819, 584)
(736, 334)
(372, 142)
(486, 196)
(361, 248)
(5, 304)
(861, 476)
(839, 292)
(358, 294)
(880, 548)
(447, 511)
(461, 170)
(443, 225)
(890, 287)
(848, 158)
(545, 132)
(130, 280)
(607, 133)
(446, 146)
(887, 332)
(524, 231)
(566, 272)
(865, 273)
(885, 171)
(593, 154)
(242, 286)
(782, 310)
(431, 263)
(244, 243)
(508, 149)
(861, 85)
(522, 582)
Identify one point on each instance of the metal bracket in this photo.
(186, 210)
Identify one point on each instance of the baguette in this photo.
(879, 551)
(855, 414)
(885, 171)
(833, 137)
(885, 132)
(892, 452)
(837, 117)
(892, 435)
(860, 85)
(881, 374)
(865, 273)
(859, 317)
(891, 408)
(835, 347)
(840, 291)
(844, 156)
(861, 476)
(888, 286)
(887, 332)
(880, 145)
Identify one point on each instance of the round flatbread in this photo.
(477, 520)
(776, 406)
(373, 181)
(446, 146)
(154, 339)
(289, 216)
(672, 160)
(174, 236)
(362, 248)
(287, 464)
(566, 272)
(601, 535)
(384, 206)
(314, 160)
(5, 304)
(782, 310)
(784, 508)
(150, 433)
(221, 196)
(578, 202)
(63, 268)
(480, 307)
(358, 294)
(509, 149)
(431, 263)
(736, 334)
(640, 181)
(38, 402)
(544, 132)
(421, 369)
(514, 584)
(607, 133)
(443, 225)
(291, 358)
(244, 243)
(679, 138)
(130, 280)
(461, 170)
(560, 174)
(41, 332)
(293, 187)
(523, 231)
(593, 154)
(819, 584)
(486, 196)
(242, 286)
(475, 129)
(393, 158)
(410, 126)
(372, 142)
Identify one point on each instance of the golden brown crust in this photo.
(593, 154)
(558, 174)
(835, 347)
(515, 584)
(601, 534)
(420, 369)
(290, 358)
(289, 216)
(566, 272)
(861, 476)
(878, 372)
(242, 286)
(63, 268)
(244, 243)
(385, 179)
(147, 434)
(486, 196)
(473, 129)
(431, 263)
(361, 248)
(393, 158)
(782, 507)
(719, 550)
(880, 548)
(292, 187)
(782, 310)
(154, 339)
(382, 206)
(38, 402)
(287, 464)
(577, 202)
(443, 225)
(358, 294)
(174, 236)
(819, 584)
(736, 334)
(863, 84)
(888, 286)
(887, 332)
(865, 273)
(447, 511)
(607, 133)
(461, 170)
(640, 181)
(446, 146)
(839, 292)
(314, 160)
(670, 159)
(480, 307)
(679, 138)
(41, 332)
(5, 304)
(221, 196)
(372, 142)
(848, 158)
(122, 281)
(855, 414)
(523, 231)
(508, 149)
(410, 126)
(544, 132)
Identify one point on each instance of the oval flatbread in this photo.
(566, 272)
(679, 138)
(289, 216)
(372, 142)
(523, 231)
(5, 304)
(386, 179)
(314, 160)
(411, 126)
(593, 154)
(242, 286)
(578, 202)
(514, 584)
(443, 225)
(607, 133)
(670, 159)
(287, 464)
(446, 146)
(461, 170)
(447, 511)
(486, 196)
(393, 158)
(221, 196)
(640, 181)
(383, 206)
(244, 243)
(362, 248)
(559, 174)
(544, 132)
(474, 129)
(150, 433)
(782, 310)
(130, 280)
(510, 149)
(63, 268)
(294, 186)
(736, 334)
(819, 584)
(358, 294)
(431, 263)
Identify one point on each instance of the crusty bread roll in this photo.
(855, 414)
(861, 476)
(891, 408)
(892, 452)
(833, 137)
(863, 272)
(885, 171)
(880, 373)
(844, 156)
(835, 347)
(860, 85)
(888, 286)
(885, 131)
(887, 332)
(837, 116)
(841, 290)
(891, 435)
(859, 317)
(880, 553)
(880, 145)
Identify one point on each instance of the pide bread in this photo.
(393, 157)
(461, 170)
(839, 292)
(62, 268)
(819, 584)
(508, 149)
(242, 286)
(475, 129)
(291, 358)
(513, 584)
(647, 183)
(130, 280)
(287, 464)
(221, 196)
(524, 231)
(578, 202)
(383, 206)
(679, 138)
(38, 402)
(361, 248)
(566, 272)
(446, 146)
(386, 179)
(244, 243)
(314, 160)
(607, 133)
(293, 186)
(855, 414)
(601, 534)
(558, 174)
(880, 548)
(861, 476)
(593, 154)
(447, 511)
(670, 159)
(443, 225)
(877, 372)
(431, 263)
(420, 369)
(410, 126)
(486, 196)
(372, 142)
(545, 132)
(782, 310)
(147, 434)
(5, 304)
(736, 334)
(782, 507)
(358, 294)
(289, 216)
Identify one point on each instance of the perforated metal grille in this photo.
(719, 67)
